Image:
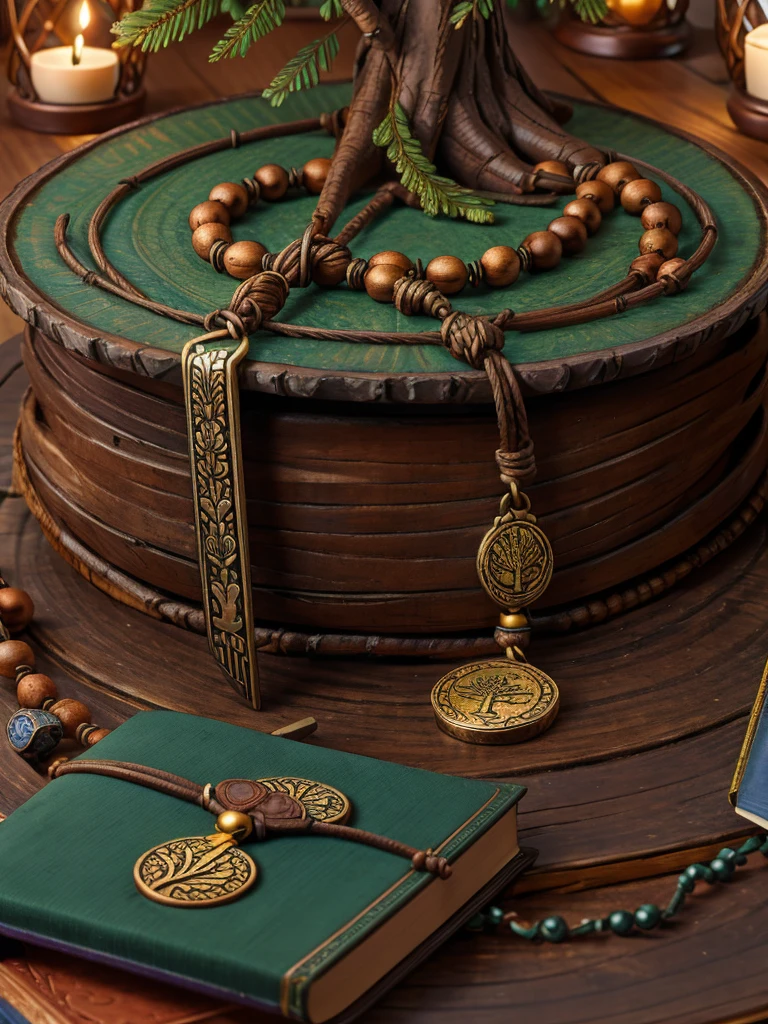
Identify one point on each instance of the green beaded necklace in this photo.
(624, 922)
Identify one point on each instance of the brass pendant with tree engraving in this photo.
(499, 701)
(199, 871)
(514, 561)
(322, 802)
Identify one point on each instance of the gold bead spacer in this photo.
(513, 620)
(235, 824)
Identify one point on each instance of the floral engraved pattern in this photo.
(198, 870)
(222, 546)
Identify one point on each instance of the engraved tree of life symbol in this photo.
(516, 559)
(489, 688)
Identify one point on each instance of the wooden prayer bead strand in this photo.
(272, 180)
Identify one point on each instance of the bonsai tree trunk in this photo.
(470, 103)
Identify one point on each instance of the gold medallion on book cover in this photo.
(199, 871)
(322, 802)
(499, 701)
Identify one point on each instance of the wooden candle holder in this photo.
(748, 113)
(666, 36)
(31, 30)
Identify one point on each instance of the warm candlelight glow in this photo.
(85, 20)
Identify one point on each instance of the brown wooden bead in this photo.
(71, 714)
(617, 175)
(34, 689)
(16, 608)
(448, 273)
(572, 233)
(600, 192)
(587, 211)
(243, 259)
(380, 281)
(97, 734)
(332, 271)
(273, 181)
(647, 265)
(14, 653)
(671, 266)
(233, 195)
(314, 174)
(392, 258)
(659, 240)
(209, 212)
(204, 237)
(501, 265)
(553, 167)
(662, 215)
(638, 194)
(545, 248)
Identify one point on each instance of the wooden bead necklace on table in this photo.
(263, 808)
(498, 267)
(43, 719)
(515, 558)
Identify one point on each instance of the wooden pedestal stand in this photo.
(79, 119)
(630, 784)
(749, 114)
(623, 42)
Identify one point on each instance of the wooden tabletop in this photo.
(688, 93)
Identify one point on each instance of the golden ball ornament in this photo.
(234, 823)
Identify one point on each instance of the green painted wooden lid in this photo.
(148, 239)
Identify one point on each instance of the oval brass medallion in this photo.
(514, 563)
(500, 701)
(199, 871)
(322, 802)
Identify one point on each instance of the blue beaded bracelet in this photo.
(624, 922)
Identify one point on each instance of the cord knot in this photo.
(258, 299)
(518, 466)
(414, 295)
(471, 338)
(310, 258)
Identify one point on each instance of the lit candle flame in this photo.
(84, 19)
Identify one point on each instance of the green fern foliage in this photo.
(258, 21)
(331, 9)
(436, 193)
(160, 22)
(303, 70)
(590, 10)
(462, 10)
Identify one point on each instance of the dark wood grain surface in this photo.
(630, 784)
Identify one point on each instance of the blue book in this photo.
(749, 789)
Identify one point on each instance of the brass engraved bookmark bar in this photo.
(209, 367)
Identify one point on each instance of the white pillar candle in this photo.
(756, 61)
(56, 79)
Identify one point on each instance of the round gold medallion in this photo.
(322, 802)
(501, 701)
(199, 871)
(514, 563)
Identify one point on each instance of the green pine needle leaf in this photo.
(436, 193)
(261, 18)
(590, 10)
(303, 70)
(462, 10)
(160, 22)
(331, 9)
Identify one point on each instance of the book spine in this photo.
(749, 739)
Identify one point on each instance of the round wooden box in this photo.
(369, 468)
(371, 479)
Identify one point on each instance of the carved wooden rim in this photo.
(464, 385)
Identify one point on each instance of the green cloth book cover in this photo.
(67, 858)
